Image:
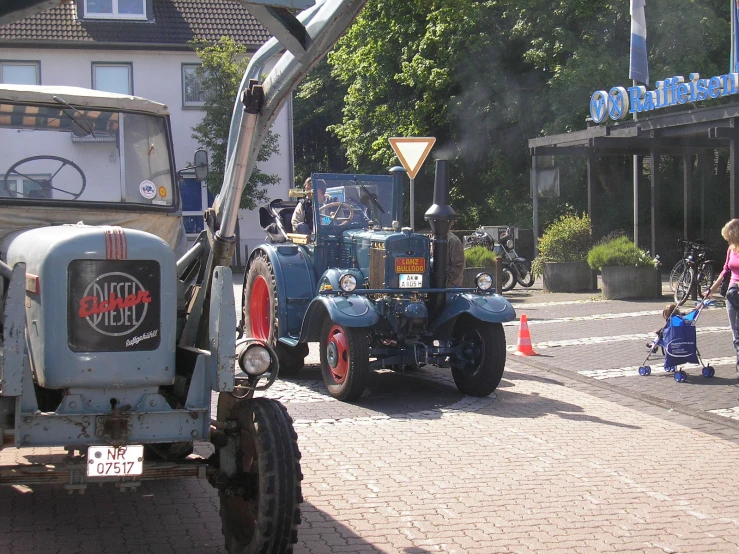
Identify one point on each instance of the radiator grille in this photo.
(377, 265)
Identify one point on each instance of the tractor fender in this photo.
(347, 311)
(490, 308)
(295, 280)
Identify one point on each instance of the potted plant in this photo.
(627, 271)
(476, 260)
(563, 251)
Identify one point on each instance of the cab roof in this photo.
(79, 98)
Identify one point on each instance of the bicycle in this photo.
(697, 275)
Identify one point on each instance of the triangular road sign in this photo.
(412, 152)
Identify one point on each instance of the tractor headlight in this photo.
(255, 360)
(484, 281)
(348, 282)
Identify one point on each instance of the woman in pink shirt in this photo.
(731, 233)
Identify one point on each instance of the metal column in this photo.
(655, 197)
(687, 196)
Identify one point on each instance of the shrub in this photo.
(568, 239)
(479, 256)
(621, 252)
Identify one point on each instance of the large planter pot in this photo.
(567, 277)
(630, 282)
(469, 274)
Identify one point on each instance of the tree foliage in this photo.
(484, 76)
(223, 65)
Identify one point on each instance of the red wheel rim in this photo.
(337, 353)
(259, 309)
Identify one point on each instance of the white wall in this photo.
(158, 76)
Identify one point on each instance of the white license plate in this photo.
(411, 280)
(115, 461)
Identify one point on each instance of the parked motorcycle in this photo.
(521, 267)
(480, 237)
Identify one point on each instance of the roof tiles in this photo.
(175, 23)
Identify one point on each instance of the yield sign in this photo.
(412, 151)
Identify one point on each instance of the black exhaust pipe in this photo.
(440, 217)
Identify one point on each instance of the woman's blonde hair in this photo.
(730, 232)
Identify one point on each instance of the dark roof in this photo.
(174, 23)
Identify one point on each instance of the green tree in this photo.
(318, 103)
(484, 76)
(223, 65)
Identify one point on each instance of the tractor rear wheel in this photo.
(260, 511)
(344, 360)
(260, 314)
(485, 355)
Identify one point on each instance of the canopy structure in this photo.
(686, 133)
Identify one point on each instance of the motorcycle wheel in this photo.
(524, 276)
(509, 278)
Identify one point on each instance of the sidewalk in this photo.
(584, 337)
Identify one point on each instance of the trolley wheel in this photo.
(681, 376)
(648, 370)
(708, 371)
(642, 371)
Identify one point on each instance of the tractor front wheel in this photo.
(260, 314)
(344, 360)
(484, 356)
(260, 510)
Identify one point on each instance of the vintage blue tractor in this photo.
(372, 292)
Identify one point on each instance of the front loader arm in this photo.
(307, 37)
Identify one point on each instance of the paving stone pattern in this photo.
(556, 461)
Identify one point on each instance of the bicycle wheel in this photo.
(675, 274)
(682, 287)
(705, 279)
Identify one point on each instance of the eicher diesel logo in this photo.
(113, 305)
(673, 91)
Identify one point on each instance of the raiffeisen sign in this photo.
(620, 101)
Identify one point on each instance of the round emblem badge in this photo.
(147, 190)
(115, 304)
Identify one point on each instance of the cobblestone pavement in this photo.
(574, 453)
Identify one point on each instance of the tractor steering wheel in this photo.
(45, 185)
(335, 215)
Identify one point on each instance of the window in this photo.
(115, 9)
(112, 77)
(27, 186)
(193, 91)
(20, 73)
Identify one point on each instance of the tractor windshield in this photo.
(67, 153)
(352, 201)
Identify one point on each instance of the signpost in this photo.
(412, 152)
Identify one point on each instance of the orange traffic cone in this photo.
(524, 347)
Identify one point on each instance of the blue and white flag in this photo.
(638, 68)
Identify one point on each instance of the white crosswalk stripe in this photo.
(611, 339)
(658, 365)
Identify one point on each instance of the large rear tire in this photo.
(260, 314)
(485, 355)
(266, 516)
(344, 360)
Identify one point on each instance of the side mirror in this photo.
(201, 164)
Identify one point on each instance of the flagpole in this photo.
(636, 189)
